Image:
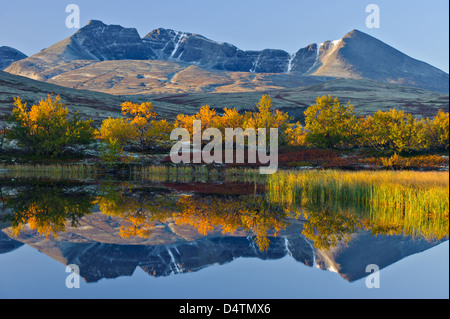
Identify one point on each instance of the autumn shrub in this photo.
(118, 130)
(392, 130)
(263, 117)
(47, 128)
(331, 124)
(139, 130)
(436, 132)
(112, 153)
(158, 134)
(139, 117)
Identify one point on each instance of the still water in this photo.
(202, 240)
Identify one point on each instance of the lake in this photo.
(227, 238)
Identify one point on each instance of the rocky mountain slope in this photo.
(9, 55)
(79, 59)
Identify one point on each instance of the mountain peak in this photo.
(355, 31)
(94, 22)
(356, 34)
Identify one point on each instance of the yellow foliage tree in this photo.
(46, 129)
(392, 130)
(436, 131)
(117, 128)
(331, 124)
(159, 132)
(140, 119)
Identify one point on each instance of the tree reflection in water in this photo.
(48, 208)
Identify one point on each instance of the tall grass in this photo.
(169, 173)
(413, 203)
(186, 174)
(50, 171)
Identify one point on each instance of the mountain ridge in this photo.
(357, 55)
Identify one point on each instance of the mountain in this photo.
(9, 55)
(358, 55)
(355, 56)
(94, 42)
(7, 244)
(100, 252)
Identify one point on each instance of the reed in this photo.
(50, 171)
(244, 175)
(169, 173)
(412, 203)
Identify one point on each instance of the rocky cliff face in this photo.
(110, 42)
(195, 49)
(9, 55)
(198, 50)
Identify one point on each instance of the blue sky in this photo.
(417, 28)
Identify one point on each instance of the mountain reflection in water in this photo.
(109, 229)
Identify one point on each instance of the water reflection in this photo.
(47, 208)
(111, 228)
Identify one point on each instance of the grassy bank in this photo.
(413, 203)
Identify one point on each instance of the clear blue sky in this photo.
(417, 28)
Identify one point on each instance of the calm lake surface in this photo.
(173, 240)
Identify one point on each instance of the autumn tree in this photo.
(231, 118)
(296, 135)
(47, 208)
(331, 124)
(139, 117)
(392, 131)
(266, 118)
(136, 130)
(206, 115)
(118, 129)
(47, 128)
(436, 131)
(159, 133)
